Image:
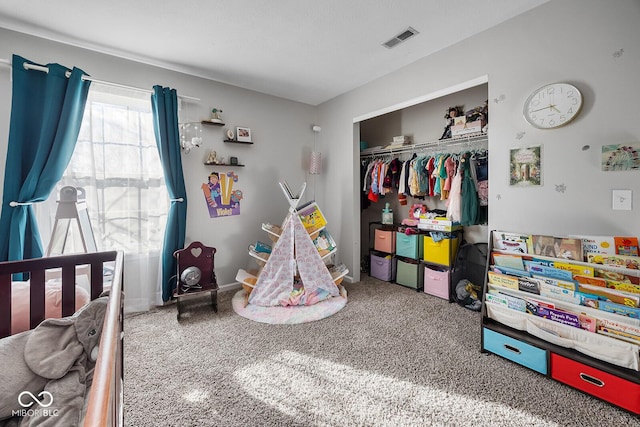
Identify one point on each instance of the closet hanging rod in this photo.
(28, 66)
(467, 140)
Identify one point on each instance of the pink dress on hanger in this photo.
(450, 166)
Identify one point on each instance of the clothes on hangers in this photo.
(459, 179)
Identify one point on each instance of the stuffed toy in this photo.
(449, 116)
(51, 362)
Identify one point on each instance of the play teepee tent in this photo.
(294, 276)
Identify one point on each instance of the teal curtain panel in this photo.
(164, 105)
(46, 114)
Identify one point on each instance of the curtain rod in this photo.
(28, 66)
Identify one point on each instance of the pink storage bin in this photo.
(385, 241)
(436, 281)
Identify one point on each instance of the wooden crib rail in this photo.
(106, 397)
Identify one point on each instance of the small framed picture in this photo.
(243, 134)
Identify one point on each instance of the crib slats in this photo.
(97, 279)
(68, 290)
(5, 305)
(37, 297)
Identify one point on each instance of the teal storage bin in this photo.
(517, 351)
(409, 274)
(409, 246)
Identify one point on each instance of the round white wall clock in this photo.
(553, 105)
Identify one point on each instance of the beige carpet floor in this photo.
(391, 357)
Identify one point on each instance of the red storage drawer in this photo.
(605, 386)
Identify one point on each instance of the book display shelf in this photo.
(573, 321)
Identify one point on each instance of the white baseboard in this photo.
(229, 287)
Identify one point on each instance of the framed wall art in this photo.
(525, 166)
(243, 134)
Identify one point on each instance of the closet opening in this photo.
(422, 121)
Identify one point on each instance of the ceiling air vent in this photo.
(403, 36)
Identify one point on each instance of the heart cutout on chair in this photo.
(196, 252)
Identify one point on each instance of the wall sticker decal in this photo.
(222, 199)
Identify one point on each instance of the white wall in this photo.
(280, 128)
(562, 40)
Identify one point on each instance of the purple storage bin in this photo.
(382, 268)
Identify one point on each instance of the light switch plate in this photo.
(622, 200)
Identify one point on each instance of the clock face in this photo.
(553, 105)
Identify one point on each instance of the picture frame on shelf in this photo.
(243, 134)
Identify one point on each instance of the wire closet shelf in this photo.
(463, 143)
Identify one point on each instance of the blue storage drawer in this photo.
(409, 246)
(517, 351)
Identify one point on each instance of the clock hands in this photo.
(551, 106)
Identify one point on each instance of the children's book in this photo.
(503, 280)
(543, 270)
(262, 247)
(616, 276)
(533, 305)
(324, 242)
(514, 303)
(621, 245)
(511, 242)
(565, 284)
(626, 245)
(623, 286)
(559, 316)
(624, 261)
(583, 270)
(312, 217)
(511, 261)
(529, 285)
(588, 323)
(511, 271)
(550, 291)
(619, 326)
(624, 298)
(557, 247)
(623, 310)
(593, 281)
(541, 261)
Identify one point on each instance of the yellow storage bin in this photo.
(442, 252)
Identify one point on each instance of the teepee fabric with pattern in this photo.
(275, 282)
(312, 269)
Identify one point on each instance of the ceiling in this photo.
(304, 50)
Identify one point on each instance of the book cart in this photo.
(517, 325)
